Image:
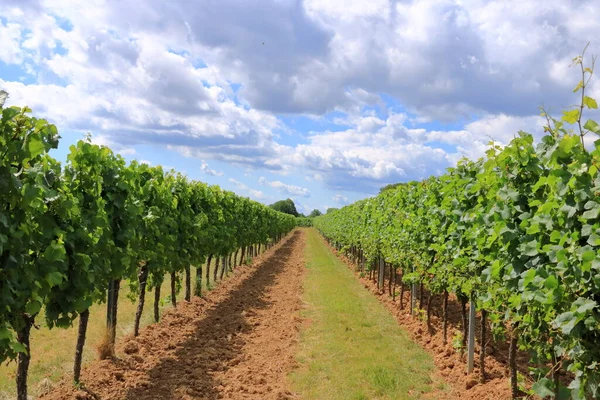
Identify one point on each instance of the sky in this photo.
(321, 101)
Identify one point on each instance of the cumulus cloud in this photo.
(135, 89)
(504, 128)
(302, 207)
(103, 140)
(283, 51)
(376, 151)
(362, 159)
(255, 194)
(285, 188)
(212, 82)
(205, 169)
(339, 199)
(447, 59)
(10, 37)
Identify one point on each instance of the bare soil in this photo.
(238, 342)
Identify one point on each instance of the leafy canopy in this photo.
(286, 206)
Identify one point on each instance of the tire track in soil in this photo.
(237, 343)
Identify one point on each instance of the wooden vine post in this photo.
(471, 344)
(381, 275)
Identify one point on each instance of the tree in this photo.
(391, 186)
(285, 206)
(315, 213)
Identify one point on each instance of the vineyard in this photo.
(71, 235)
(510, 242)
(516, 235)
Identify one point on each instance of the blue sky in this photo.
(322, 101)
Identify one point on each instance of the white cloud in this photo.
(301, 207)
(102, 140)
(204, 167)
(255, 194)
(162, 74)
(374, 152)
(339, 199)
(504, 128)
(284, 188)
(368, 155)
(348, 9)
(134, 90)
(10, 37)
(498, 58)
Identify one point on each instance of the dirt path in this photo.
(237, 343)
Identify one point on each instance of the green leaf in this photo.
(588, 255)
(555, 236)
(33, 307)
(579, 86)
(530, 249)
(5, 334)
(566, 322)
(584, 305)
(570, 210)
(591, 214)
(564, 393)
(528, 277)
(36, 146)
(30, 192)
(551, 282)
(586, 230)
(571, 116)
(17, 347)
(543, 388)
(590, 103)
(54, 278)
(594, 240)
(592, 126)
(533, 229)
(54, 252)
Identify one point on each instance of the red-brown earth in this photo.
(238, 342)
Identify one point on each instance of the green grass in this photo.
(353, 348)
(52, 350)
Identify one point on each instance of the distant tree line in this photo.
(287, 206)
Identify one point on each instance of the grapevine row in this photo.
(70, 235)
(516, 233)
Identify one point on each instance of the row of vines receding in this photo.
(517, 233)
(69, 235)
